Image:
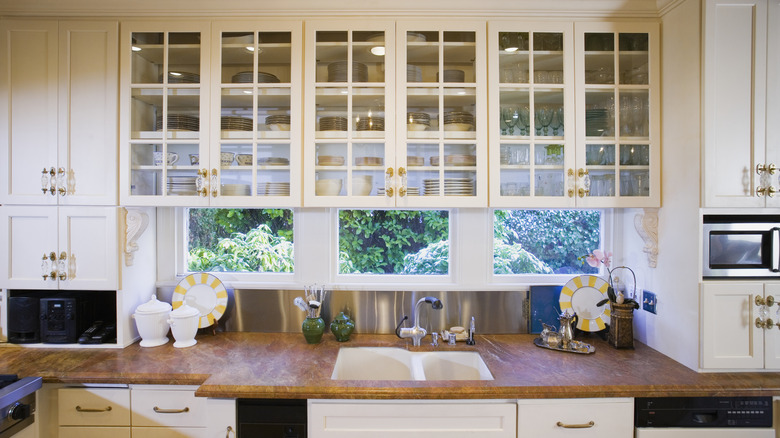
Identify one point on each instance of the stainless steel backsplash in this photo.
(261, 310)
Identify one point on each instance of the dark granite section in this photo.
(282, 365)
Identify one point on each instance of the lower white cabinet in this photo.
(735, 333)
(149, 411)
(581, 418)
(411, 418)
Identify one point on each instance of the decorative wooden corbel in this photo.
(646, 225)
(135, 221)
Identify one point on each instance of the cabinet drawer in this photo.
(581, 418)
(168, 408)
(94, 406)
(94, 432)
(171, 432)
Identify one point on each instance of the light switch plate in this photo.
(649, 301)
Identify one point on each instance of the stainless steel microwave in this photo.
(741, 246)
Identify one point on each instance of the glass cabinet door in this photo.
(620, 116)
(256, 150)
(167, 73)
(532, 114)
(442, 157)
(349, 138)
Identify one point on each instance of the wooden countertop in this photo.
(282, 365)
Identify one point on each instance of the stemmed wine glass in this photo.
(510, 115)
(525, 119)
(557, 120)
(544, 115)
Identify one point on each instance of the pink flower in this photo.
(598, 256)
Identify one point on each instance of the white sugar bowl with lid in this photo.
(184, 325)
(151, 318)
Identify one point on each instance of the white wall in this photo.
(674, 329)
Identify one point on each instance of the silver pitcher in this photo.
(566, 331)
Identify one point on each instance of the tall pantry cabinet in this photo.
(59, 220)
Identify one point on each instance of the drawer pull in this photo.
(171, 411)
(80, 409)
(587, 425)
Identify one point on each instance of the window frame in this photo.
(471, 255)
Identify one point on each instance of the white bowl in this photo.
(327, 187)
(416, 127)
(458, 127)
(279, 126)
(362, 185)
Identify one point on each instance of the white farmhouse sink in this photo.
(387, 363)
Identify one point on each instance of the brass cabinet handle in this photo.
(769, 301)
(171, 411)
(587, 425)
(769, 168)
(228, 430)
(389, 192)
(61, 182)
(106, 409)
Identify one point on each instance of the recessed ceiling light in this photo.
(510, 49)
(174, 73)
(135, 49)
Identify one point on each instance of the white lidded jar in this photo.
(184, 324)
(151, 318)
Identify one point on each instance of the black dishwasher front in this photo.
(269, 418)
(703, 412)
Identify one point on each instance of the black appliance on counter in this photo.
(24, 325)
(17, 403)
(703, 412)
(260, 418)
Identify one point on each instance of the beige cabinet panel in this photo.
(581, 418)
(94, 406)
(94, 432)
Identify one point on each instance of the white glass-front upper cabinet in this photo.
(349, 113)
(618, 115)
(256, 151)
(531, 114)
(58, 94)
(441, 158)
(164, 125)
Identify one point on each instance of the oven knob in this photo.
(19, 411)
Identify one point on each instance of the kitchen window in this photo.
(545, 242)
(452, 249)
(240, 240)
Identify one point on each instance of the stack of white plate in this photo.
(179, 122)
(458, 121)
(277, 119)
(369, 161)
(273, 161)
(245, 77)
(454, 76)
(183, 77)
(452, 187)
(415, 37)
(182, 185)
(418, 121)
(413, 73)
(337, 72)
(274, 188)
(460, 160)
(235, 123)
(333, 124)
(371, 124)
(235, 189)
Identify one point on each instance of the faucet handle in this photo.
(398, 328)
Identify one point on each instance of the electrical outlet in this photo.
(649, 301)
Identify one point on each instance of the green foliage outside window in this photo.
(544, 241)
(240, 240)
(388, 242)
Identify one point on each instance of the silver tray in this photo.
(574, 347)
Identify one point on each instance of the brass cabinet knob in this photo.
(402, 191)
(769, 301)
(389, 192)
(769, 168)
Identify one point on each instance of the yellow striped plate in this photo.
(581, 294)
(208, 294)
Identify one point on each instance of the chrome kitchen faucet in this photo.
(416, 332)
